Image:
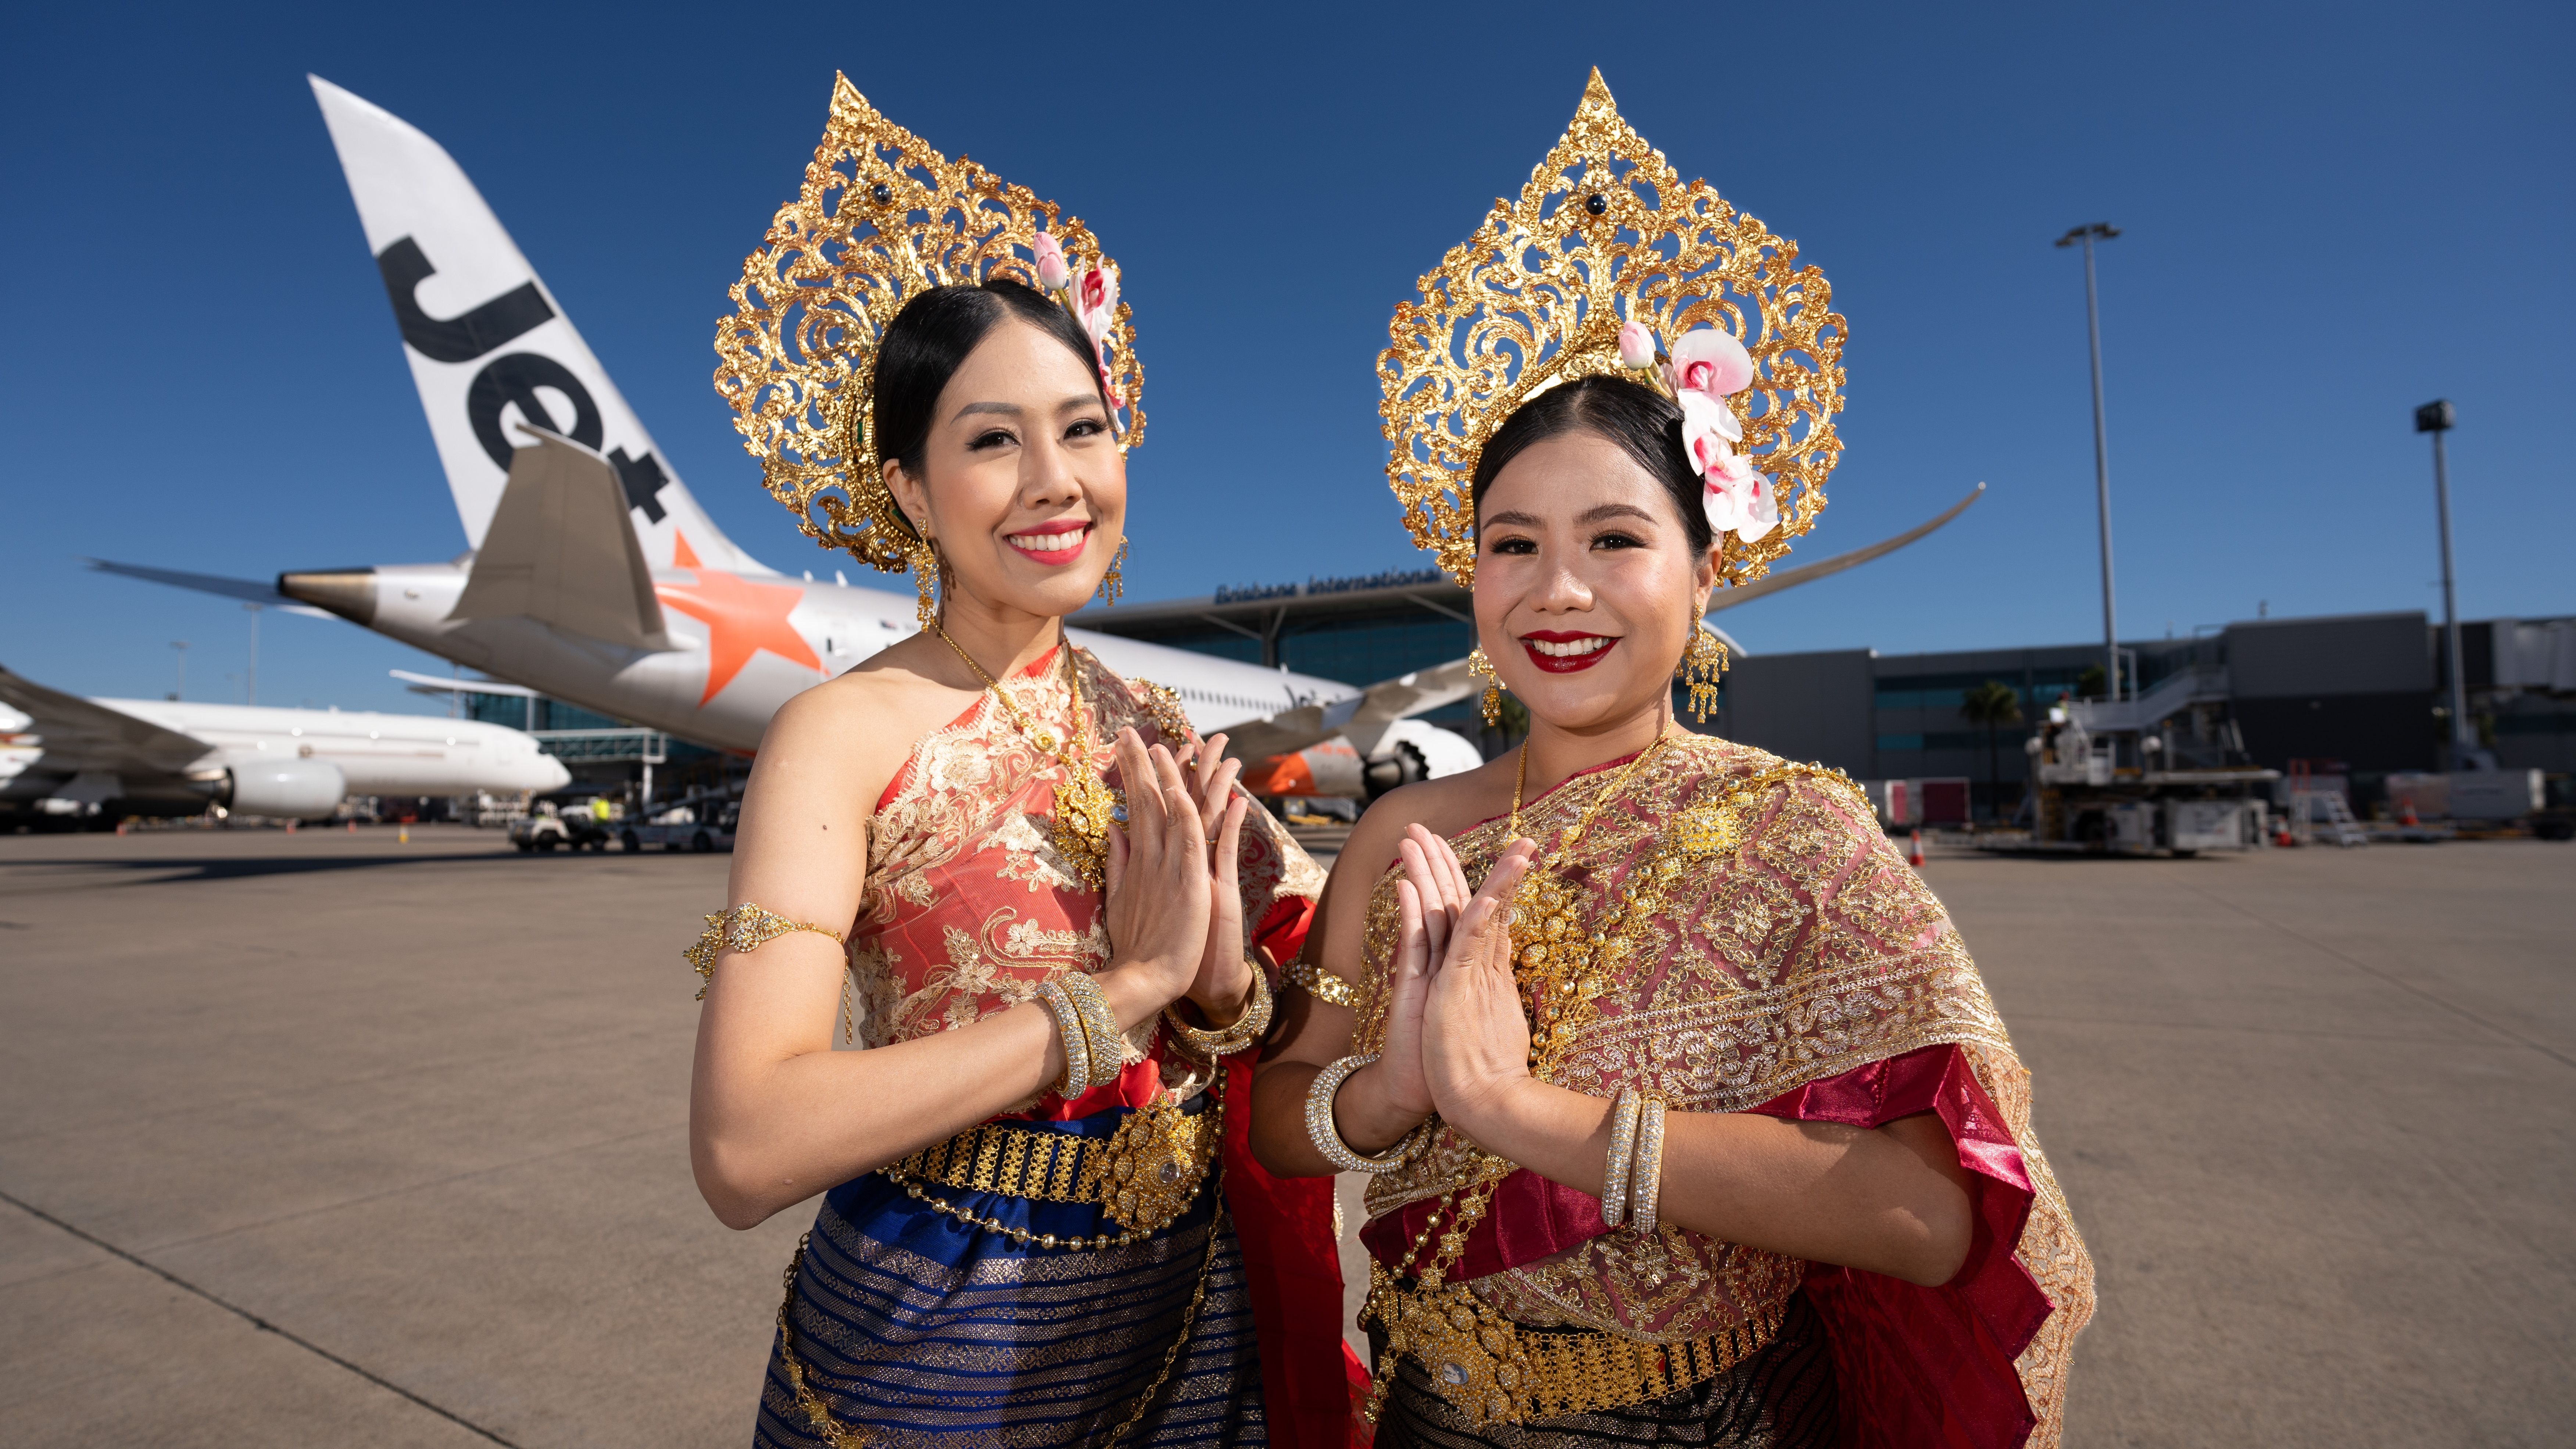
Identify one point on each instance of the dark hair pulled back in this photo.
(1643, 423)
(933, 336)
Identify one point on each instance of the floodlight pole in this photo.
(2087, 235)
(2436, 418)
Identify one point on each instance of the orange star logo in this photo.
(742, 618)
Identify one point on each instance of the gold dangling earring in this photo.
(1492, 704)
(925, 583)
(1701, 665)
(1111, 585)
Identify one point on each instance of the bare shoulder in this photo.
(849, 735)
(1447, 807)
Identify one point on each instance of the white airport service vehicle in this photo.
(680, 828)
(2165, 771)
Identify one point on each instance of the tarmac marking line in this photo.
(255, 1321)
(2409, 987)
(409, 1187)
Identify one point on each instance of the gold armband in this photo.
(742, 928)
(1321, 984)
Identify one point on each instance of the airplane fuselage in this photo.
(745, 645)
(388, 755)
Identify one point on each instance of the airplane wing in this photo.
(1363, 718)
(250, 591)
(79, 735)
(1774, 582)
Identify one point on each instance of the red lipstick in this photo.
(1566, 663)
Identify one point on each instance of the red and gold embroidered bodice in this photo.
(969, 906)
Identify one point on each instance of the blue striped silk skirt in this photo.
(914, 1327)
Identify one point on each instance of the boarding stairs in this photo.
(2321, 816)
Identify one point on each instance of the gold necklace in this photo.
(1084, 807)
(1553, 959)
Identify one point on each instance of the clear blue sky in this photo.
(2333, 212)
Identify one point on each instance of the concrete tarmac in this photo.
(329, 1137)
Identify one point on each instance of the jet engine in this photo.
(1410, 750)
(1413, 751)
(284, 789)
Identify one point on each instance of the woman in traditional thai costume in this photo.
(1691, 1122)
(1020, 882)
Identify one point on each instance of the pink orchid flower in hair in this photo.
(1709, 428)
(1739, 500)
(1053, 274)
(1094, 300)
(1707, 360)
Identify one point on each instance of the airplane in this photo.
(591, 574)
(67, 757)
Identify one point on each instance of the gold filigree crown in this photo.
(883, 218)
(1604, 234)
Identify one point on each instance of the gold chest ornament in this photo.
(1085, 806)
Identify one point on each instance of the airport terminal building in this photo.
(2357, 695)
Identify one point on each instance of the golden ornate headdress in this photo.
(883, 218)
(1607, 263)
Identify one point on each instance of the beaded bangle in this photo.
(1247, 1030)
(1321, 984)
(1624, 1111)
(1077, 1050)
(1328, 1138)
(1646, 1185)
(1099, 1027)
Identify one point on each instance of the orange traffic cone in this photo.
(120, 827)
(353, 827)
(290, 827)
(403, 837)
(1915, 855)
(2406, 813)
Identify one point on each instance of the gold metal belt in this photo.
(1497, 1372)
(1144, 1176)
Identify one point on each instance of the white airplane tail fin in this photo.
(488, 346)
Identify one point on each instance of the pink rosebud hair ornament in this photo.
(883, 218)
(1608, 263)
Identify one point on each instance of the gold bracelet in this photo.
(1247, 1030)
(1328, 1138)
(744, 927)
(1646, 1184)
(1321, 984)
(1624, 1112)
(1077, 1050)
(1100, 1030)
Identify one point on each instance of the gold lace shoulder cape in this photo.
(1792, 944)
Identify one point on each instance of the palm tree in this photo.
(1993, 704)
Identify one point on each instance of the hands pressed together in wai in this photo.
(1457, 1041)
(1175, 910)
